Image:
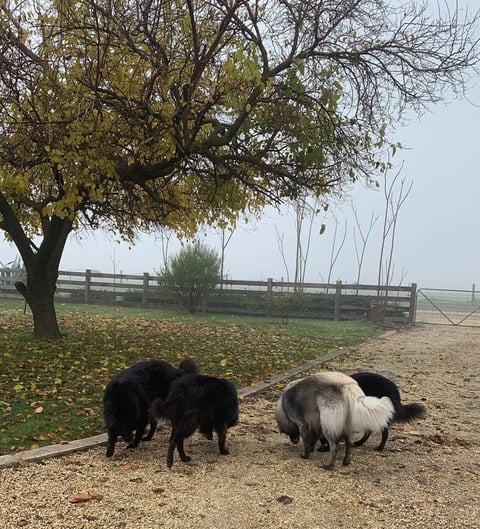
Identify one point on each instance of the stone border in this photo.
(58, 450)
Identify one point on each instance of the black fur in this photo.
(128, 396)
(197, 402)
(379, 386)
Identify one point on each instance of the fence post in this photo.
(146, 280)
(473, 293)
(338, 296)
(413, 304)
(88, 284)
(269, 287)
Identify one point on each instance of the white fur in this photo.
(334, 406)
(356, 412)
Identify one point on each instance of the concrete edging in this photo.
(58, 450)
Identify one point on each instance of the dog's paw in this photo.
(186, 459)
(224, 452)
(328, 466)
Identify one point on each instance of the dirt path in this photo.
(428, 476)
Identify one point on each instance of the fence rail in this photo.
(337, 301)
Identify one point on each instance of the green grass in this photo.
(51, 391)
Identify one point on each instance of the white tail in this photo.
(368, 413)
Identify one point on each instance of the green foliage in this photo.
(51, 391)
(191, 274)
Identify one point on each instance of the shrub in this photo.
(191, 274)
(287, 305)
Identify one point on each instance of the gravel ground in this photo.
(428, 475)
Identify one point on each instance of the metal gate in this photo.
(448, 307)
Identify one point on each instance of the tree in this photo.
(191, 274)
(336, 250)
(131, 115)
(225, 238)
(364, 236)
(394, 200)
(306, 213)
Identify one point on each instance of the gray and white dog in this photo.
(329, 406)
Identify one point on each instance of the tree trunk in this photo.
(39, 294)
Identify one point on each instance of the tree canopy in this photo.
(132, 114)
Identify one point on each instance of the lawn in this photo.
(52, 391)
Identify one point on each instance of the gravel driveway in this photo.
(428, 476)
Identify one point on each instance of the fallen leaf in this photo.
(81, 497)
(137, 480)
(39, 409)
(130, 466)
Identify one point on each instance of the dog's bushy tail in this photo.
(368, 413)
(187, 365)
(409, 412)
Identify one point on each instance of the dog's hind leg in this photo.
(176, 441)
(151, 431)
(309, 439)
(348, 451)
(363, 440)
(140, 430)
(381, 446)
(323, 444)
(333, 455)
(181, 452)
(170, 451)
(112, 439)
(181, 429)
(222, 437)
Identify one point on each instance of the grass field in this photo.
(51, 391)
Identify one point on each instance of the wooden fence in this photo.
(337, 301)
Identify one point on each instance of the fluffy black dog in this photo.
(197, 402)
(376, 385)
(128, 396)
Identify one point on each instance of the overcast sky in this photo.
(437, 243)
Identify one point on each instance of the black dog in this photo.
(197, 402)
(128, 396)
(379, 386)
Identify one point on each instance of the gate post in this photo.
(413, 304)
